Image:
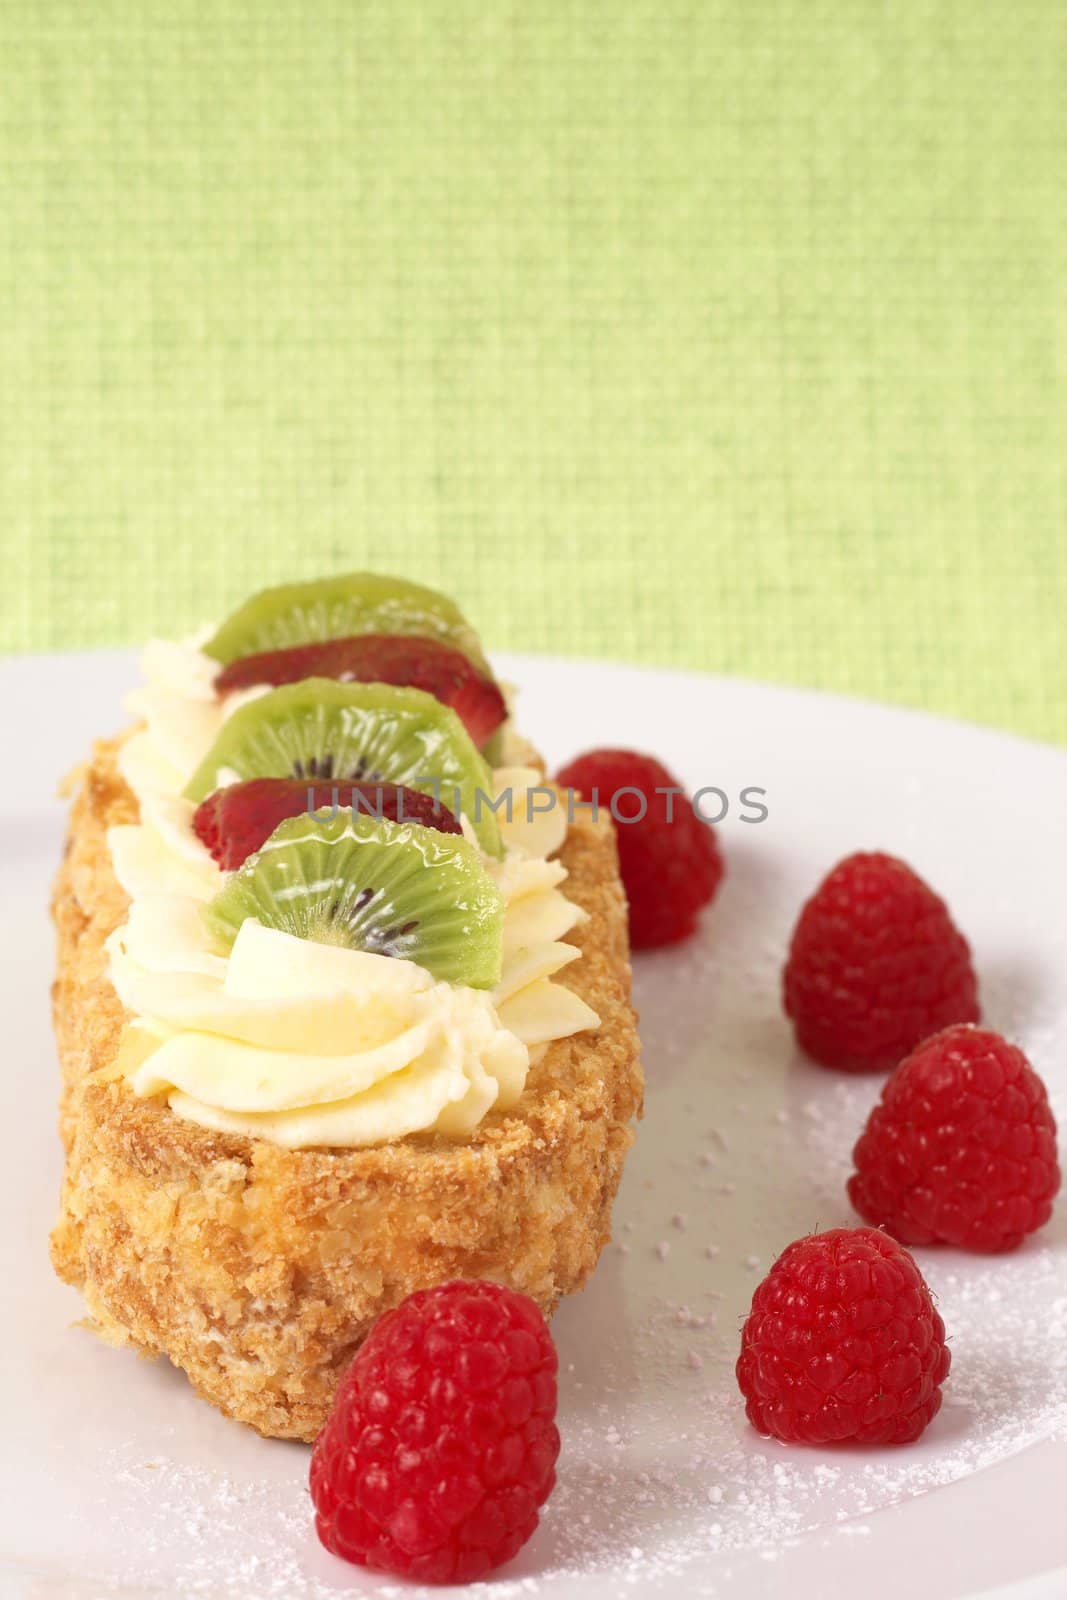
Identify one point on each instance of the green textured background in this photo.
(723, 334)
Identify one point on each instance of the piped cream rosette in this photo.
(307, 1044)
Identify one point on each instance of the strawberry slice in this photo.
(399, 659)
(234, 822)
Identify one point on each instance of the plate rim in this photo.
(127, 655)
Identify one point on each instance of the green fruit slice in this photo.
(363, 732)
(388, 888)
(337, 608)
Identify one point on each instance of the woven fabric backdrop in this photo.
(725, 333)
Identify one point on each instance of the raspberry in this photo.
(441, 1445)
(843, 1344)
(876, 965)
(961, 1148)
(669, 859)
(400, 659)
(236, 821)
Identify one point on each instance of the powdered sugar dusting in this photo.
(661, 1479)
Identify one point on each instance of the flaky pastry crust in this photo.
(259, 1270)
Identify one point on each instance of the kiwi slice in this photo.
(353, 732)
(389, 888)
(336, 608)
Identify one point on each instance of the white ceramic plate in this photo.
(118, 1482)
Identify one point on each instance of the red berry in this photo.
(234, 822)
(668, 857)
(843, 1344)
(410, 662)
(441, 1445)
(961, 1148)
(875, 966)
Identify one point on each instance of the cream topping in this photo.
(306, 1044)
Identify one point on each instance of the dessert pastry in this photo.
(342, 1005)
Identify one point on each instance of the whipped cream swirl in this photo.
(307, 1044)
